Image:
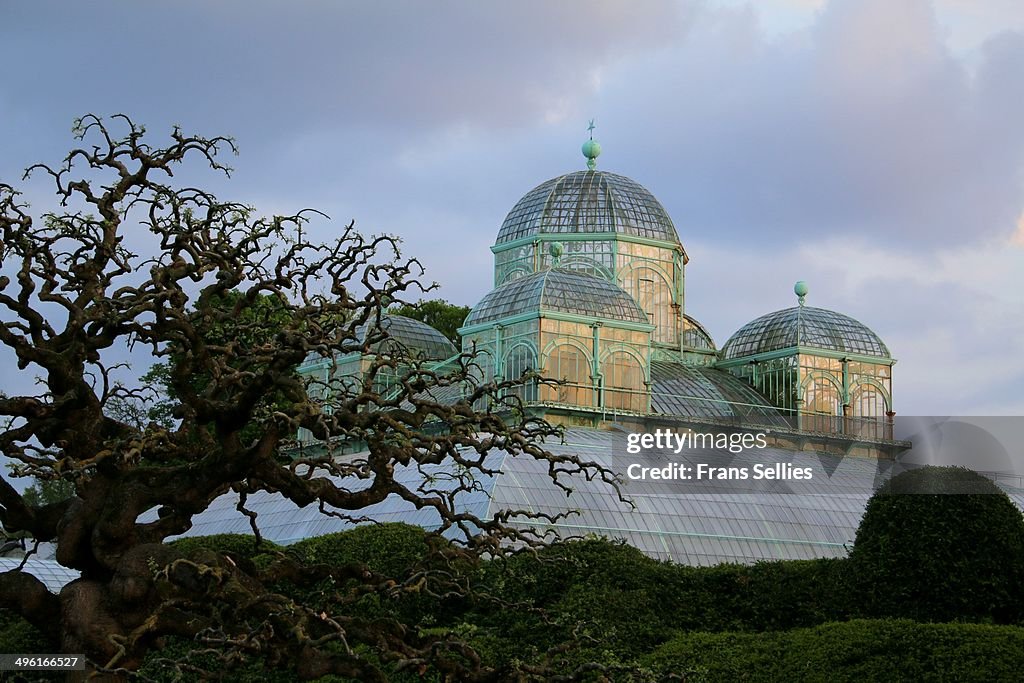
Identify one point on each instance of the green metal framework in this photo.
(814, 363)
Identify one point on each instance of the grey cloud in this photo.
(864, 121)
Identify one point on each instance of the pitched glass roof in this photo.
(804, 326)
(589, 202)
(698, 391)
(561, 290)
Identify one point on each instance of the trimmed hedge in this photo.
(389, 549)
(861, 650)
(628, 603)
(930, 555)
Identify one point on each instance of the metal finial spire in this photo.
(800, 289)
(591, 148)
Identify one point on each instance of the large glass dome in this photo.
(805, 326)
(560, 290)
(589, 202)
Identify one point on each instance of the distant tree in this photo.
(48, 492)
(250, 323)
(444, 317)
(230, 302)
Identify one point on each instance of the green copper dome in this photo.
(589, 202)
(558, 290)
(805, 326)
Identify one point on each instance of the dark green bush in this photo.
(624, 603)
(928, 555)
(861, 650)
(388, 549)
(19, 636)
(242, 545)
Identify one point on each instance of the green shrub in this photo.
(388, 549)
(242, 545)
(860, 650)
(19, 636)
(927, 555)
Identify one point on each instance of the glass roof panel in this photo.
(699, 391)
(818, 519)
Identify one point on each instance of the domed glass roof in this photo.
(588, 202)
(558, 290)
(806, 326)
(696, 335)
(412, 337)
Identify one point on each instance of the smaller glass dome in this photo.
(695, 335)
(411, 337)
(588, 202)
(804, 326)
(560, 290)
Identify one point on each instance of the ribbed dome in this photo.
(411, 337)
(588, 202)
(807, 326)
(560, 290)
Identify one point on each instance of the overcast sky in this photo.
(874, 148)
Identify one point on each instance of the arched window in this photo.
(518, 361)
(823, 405)
(623, 382)
(868, 401)
(569, 364)
(654, 294)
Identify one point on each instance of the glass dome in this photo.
(696, 335)
(560, 290)
(805, 326)
(412, 337)
(589, 202)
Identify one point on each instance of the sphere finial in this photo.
(800, 289)
(591, 148)
(555, 249)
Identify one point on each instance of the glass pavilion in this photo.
(589, 276)
(589, 289)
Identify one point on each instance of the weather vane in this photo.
(591, 148)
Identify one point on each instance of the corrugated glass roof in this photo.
(806, 326)
(561, 290)
(589, 202)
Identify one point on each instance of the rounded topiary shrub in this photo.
(941, 544)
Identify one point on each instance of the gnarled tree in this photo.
(73, 296)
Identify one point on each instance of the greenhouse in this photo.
(589, 293)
